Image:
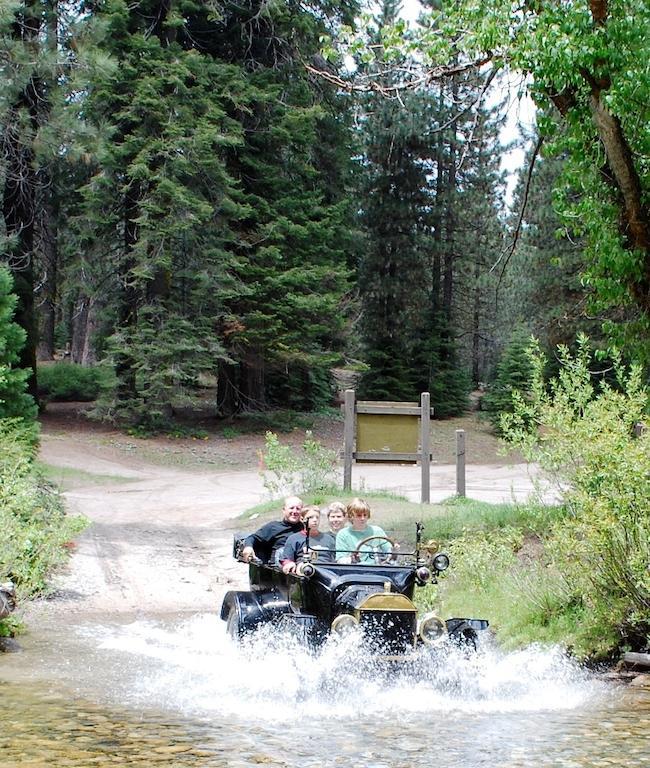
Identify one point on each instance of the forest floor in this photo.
(163, 510)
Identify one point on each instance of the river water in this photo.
(175, 691)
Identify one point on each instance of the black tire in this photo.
(234, 628)
(467, 640)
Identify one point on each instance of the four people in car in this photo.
(285, 542)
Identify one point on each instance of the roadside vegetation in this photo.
(65, 381)
(35, 533)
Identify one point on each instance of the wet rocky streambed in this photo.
(174, 691)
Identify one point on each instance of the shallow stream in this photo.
(175, 691)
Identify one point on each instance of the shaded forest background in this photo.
(188, 203)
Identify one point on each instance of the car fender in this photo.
(253, 608)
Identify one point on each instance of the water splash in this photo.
(192, 667)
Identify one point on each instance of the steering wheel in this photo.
(380, 557)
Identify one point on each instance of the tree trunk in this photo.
(253, 389)
(228, 399)
(84, 324)
(476, 325)
(128, 308)
(450, 219)
(46, 248)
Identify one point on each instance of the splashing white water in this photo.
(194, 668)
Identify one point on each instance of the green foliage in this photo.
(14, 402)
(285, 470)
(69, 382)
(169, 352)
(448, 380)
(308, 388)
(583, 434)
(226, 228)
(466, 517)
(513, 373)
(542, 288)
(589, 65)
(34, 529)
(478, 558)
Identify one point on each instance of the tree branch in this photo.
(507, 252)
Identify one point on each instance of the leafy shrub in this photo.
(33, 527)
(478, 559)
(583, 434)
(287, 471)
(69, 382)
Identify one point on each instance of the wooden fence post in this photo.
(348, 439)
(460, 462)
(425, 443)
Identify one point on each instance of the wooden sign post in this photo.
(386, 431)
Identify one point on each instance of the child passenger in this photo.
(336, 516)
(321, 545)
(348, 538)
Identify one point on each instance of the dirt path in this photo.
(163, 514)
(160, 538)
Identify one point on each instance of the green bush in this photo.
(285, 470)
(583, 434)
(68, 382)
(14, 400)
(34, 529)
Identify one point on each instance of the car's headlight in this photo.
(344, 623)
(423, 574)
(441, 562)
(432, 629)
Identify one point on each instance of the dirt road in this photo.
(161, 532)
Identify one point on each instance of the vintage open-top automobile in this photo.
(375, 598)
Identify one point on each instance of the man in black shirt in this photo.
(272, 536)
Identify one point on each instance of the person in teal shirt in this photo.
(348, 538)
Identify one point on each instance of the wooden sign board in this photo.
(386, 431)
(389, 433)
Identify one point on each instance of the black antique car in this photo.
(375, 598)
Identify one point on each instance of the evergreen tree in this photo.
(220, 197)
(14, 400)
(22, 103)
(161, 198)
(392, 275)
(480, 238)
(513, 372)
(293, 245)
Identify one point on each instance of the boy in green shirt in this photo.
(348, 538)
